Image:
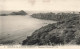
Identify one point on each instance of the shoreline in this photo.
(53, 34)
(15, 21)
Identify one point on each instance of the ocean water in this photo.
(17, 28)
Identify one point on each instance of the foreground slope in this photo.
(62, 32)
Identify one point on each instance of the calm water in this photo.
(17, 28)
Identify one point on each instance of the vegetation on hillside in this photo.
(53, 16)
(66, 31)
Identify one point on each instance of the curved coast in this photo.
(66, 31)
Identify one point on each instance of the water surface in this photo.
(17, 28)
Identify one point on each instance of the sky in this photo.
(40, 5)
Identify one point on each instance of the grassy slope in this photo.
(64, 32)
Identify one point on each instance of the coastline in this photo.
(55, 34)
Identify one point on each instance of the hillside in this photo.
(63, 32)
(54, 16)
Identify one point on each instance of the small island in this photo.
(19, 13)
(14, 13)
(3, 14)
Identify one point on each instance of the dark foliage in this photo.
(64, 31)
(53, 16)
